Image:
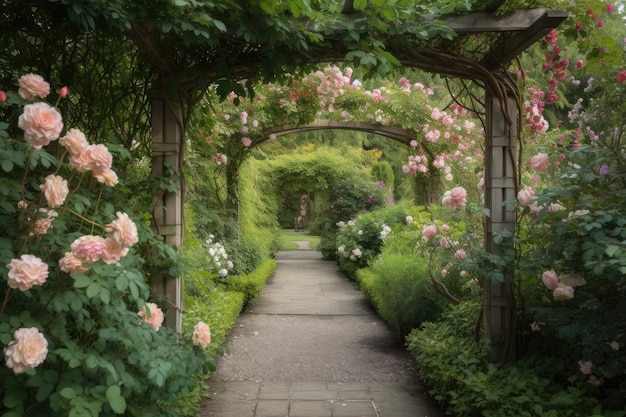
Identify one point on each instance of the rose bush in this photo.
(78, 334)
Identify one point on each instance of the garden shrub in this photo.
(400, 289)
(75, 289)
(252, 284)
(452, 362)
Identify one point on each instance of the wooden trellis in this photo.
(515, 32)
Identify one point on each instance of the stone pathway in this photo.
(311, 346)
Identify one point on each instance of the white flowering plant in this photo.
(77, 332)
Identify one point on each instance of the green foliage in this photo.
(400, 289)
(251, 284)
(101, 358)
(452, 363)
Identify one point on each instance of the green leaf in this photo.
(81, 281)
(116, 401)
(360, 4)
(93, 289)
(611, 250)
(68, 393)
(219, 25)
(7, 165)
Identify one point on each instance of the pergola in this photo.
(485, 44)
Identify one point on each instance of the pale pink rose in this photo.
(534, 326)
(429, 232)
(459, 255)
(22, 205)
(81, 161)
(88, 248)
(550, 279)
(246, 141)
(445, 228)
(445, 242)
(155, 314)
(41, 124)
(456, 197)
(585, 367)
(31, 86)
(201, 334)
(74, 142)
(526, 196)
(114, 252)
(55, 190)
(28, 350)
(555, 207)
(71, 264)
(123, 230)
(444, 272)
(100, 158)
(539, 162)
(27, 271)
(563, 292)
(43, 223)
(108, 178)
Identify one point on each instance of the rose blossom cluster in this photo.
(456, 198)
(85, 157)
(27, 350)
(122, 234)
(564, 290)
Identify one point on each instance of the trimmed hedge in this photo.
(251, 284)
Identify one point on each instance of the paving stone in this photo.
(354, 409)
(271, 408)
(298, 408)
(314, 395)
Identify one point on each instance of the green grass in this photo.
(288, 239)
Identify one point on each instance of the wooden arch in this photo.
(513, 33)
(396, 133)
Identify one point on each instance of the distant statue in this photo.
(301, 221)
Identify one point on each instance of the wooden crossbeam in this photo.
(528, 26)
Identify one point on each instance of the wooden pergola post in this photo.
(168, 205)
(500, 186)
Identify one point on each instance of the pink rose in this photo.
(74, 142)
(585, 367)
(28, 350)
(100, 158)
(71, 264)
(621, 76)
(88, 248)
(534, 326)
(154, 317)
(55, 190)
(429, 232)
(201, 334)
(460, 254)
(41, 124)
(3, 96)
(563, 292)
(526, 196)
(27, 271)
(246, 141)
(539, 162)
(113, 252)
(456, 197)
(32, 85)
(123, 230)
(550, 279)
(43, 223)
(108, 178)
(445, 242)
(64, 91)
